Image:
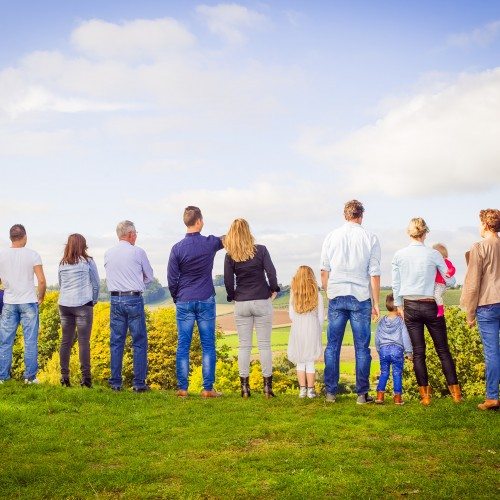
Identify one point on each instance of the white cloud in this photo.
(229, 21)
(433, 143)
(482, 37)
(138, 39)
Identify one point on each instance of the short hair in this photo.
(17, 232)
(125, 227)
(491, 219)
(441, 249)
(417, 228)
(353, 209)
(389, 303)
(191, 215)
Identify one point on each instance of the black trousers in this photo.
(417, 315)
(76, 321)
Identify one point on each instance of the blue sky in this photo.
(278, 112)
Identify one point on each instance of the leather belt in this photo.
(125, 294)
(420, 300)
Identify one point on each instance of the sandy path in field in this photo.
(281, 318)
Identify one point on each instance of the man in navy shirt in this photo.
(190, 283)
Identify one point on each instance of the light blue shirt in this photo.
(78, 283)
(351, 255)
(414, 272)
(127, 268)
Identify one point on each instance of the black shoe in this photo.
(268, 387)
(144, 388)
(245, 387)
(65, 382)
(86, 382)
(115, 388)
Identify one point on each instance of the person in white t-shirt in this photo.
(18, 267)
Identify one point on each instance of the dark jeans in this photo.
(76, 322)
(127, 313)
(417, 315)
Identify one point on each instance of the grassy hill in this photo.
(76, 443)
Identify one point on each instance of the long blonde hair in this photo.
(239, 241)
(304, 290)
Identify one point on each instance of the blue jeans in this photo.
(391, 354)
(12, 316)
(127, 313)
(488, 321)
(340, 310)
(203, 312)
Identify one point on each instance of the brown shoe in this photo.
(210, 394)
(181, 393)
(380, 398)
(489, 404)
(425, 394)
(456, 393)
(398, 400)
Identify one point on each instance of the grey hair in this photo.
(124, 227)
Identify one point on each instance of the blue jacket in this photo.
(393, 331)
(78, 283)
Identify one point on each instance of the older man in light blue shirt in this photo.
(350, 273)
(128, 271)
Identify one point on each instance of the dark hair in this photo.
(75, 249)
(389, 303)
(491, 219)
(353, 210)
(191, 215)
(17, 232)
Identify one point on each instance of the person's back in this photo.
(17, 274)
(195, 255)
(349, 250)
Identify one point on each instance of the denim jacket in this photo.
(78, 283)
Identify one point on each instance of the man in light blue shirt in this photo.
(350, 274)
(128, 271)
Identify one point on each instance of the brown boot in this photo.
(489, 404)
(425, 394)
(398, 400)
(456, 393)
(380, 398)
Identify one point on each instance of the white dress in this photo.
(305, 343)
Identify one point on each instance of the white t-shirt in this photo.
(17, 274)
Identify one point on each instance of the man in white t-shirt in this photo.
(18, 266)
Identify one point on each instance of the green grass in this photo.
(98, 444)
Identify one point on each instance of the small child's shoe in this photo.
(303, 392)
(380, 398)
(311, 393)
(440, 311)
(398, 400)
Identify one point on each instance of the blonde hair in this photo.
(304, 290)
(441, 249)
(417, 228)
(239, 241)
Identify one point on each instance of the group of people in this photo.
(350, 275)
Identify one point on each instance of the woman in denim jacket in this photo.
(79, 289)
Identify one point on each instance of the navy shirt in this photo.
(190, 265)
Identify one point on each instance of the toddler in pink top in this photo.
(440, 285)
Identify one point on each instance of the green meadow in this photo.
(75, 443)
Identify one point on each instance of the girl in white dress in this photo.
(307, 315)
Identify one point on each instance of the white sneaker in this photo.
(32, 381)
(303, 392)
(311, 393)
